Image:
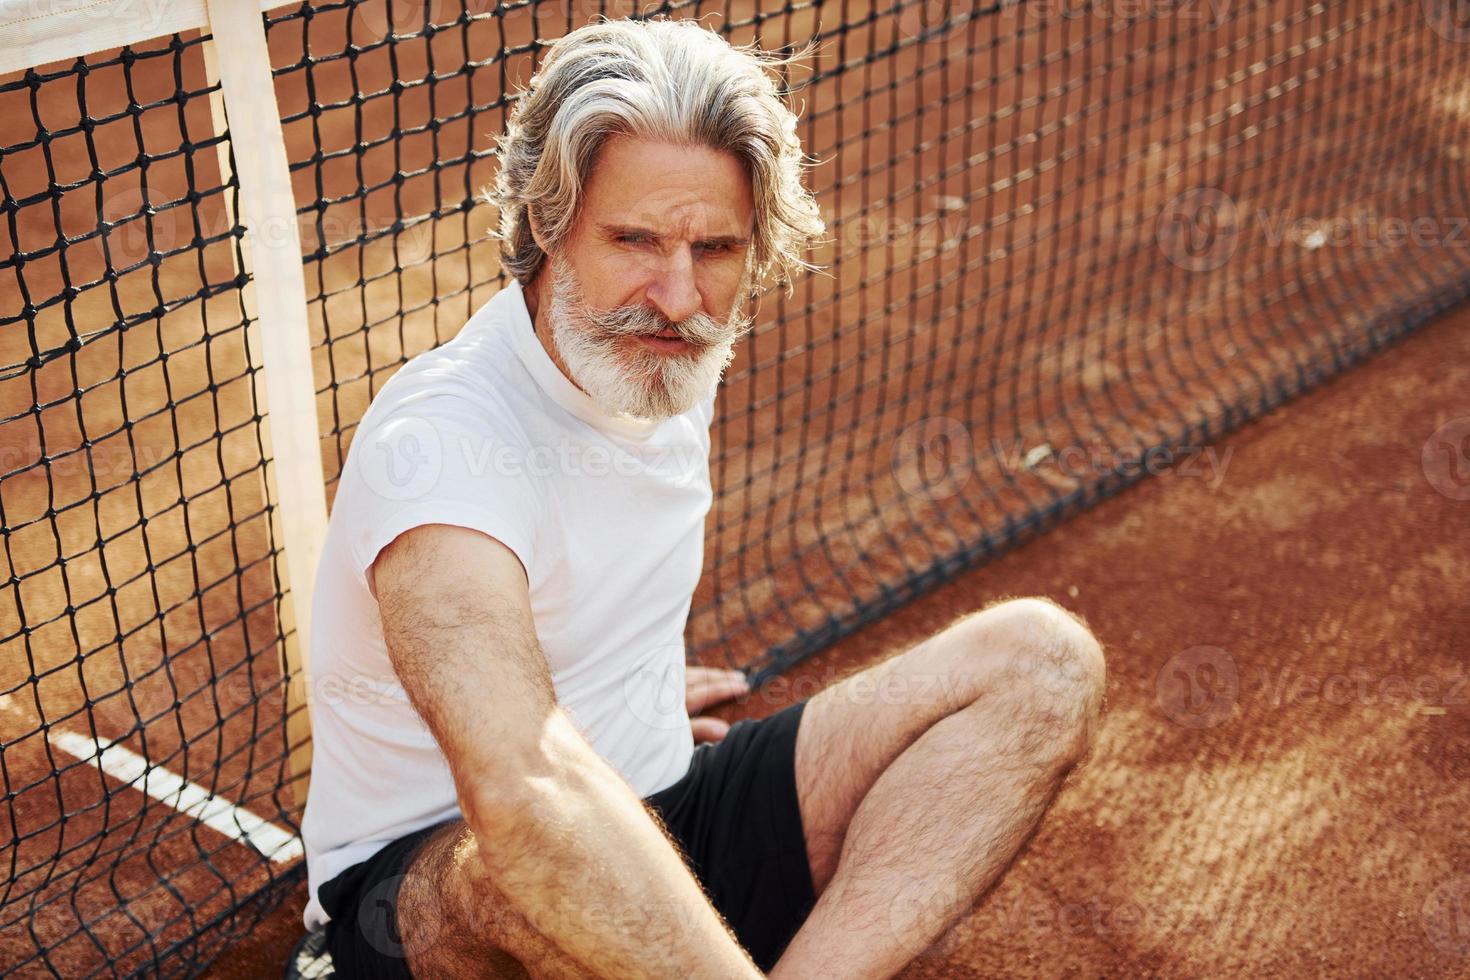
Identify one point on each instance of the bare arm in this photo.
(562, 834)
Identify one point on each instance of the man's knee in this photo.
(1045, 661)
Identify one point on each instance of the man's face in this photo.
(643, 299)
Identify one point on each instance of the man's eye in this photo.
(714, 248)
(633, 239)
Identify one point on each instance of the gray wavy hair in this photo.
(672, 81)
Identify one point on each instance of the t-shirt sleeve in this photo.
(437, 461)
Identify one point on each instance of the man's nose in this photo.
(673, 289)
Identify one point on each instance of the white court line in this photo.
(190, 799)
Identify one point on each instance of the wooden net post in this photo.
(279, 338)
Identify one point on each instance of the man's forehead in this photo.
(669, 190)
(693, 220)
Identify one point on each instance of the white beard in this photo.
(624, 376)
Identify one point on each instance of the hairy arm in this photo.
(562, 835)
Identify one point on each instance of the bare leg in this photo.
(454, 922)
(915, 805)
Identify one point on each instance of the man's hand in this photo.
(706, 686)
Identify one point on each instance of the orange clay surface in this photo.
(1310, 818)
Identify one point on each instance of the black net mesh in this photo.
(139, 609)
(1071, 242)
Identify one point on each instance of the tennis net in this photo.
(1071, 243)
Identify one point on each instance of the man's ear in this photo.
(535, 226)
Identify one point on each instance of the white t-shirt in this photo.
(605, 512)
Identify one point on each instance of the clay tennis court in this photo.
(1309, 819)
(1020, 298)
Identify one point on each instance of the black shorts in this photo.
(734, 814)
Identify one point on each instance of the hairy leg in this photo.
(454, 922)
(921, 778)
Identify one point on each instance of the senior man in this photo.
(505, 788)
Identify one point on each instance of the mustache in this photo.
(699, 330)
